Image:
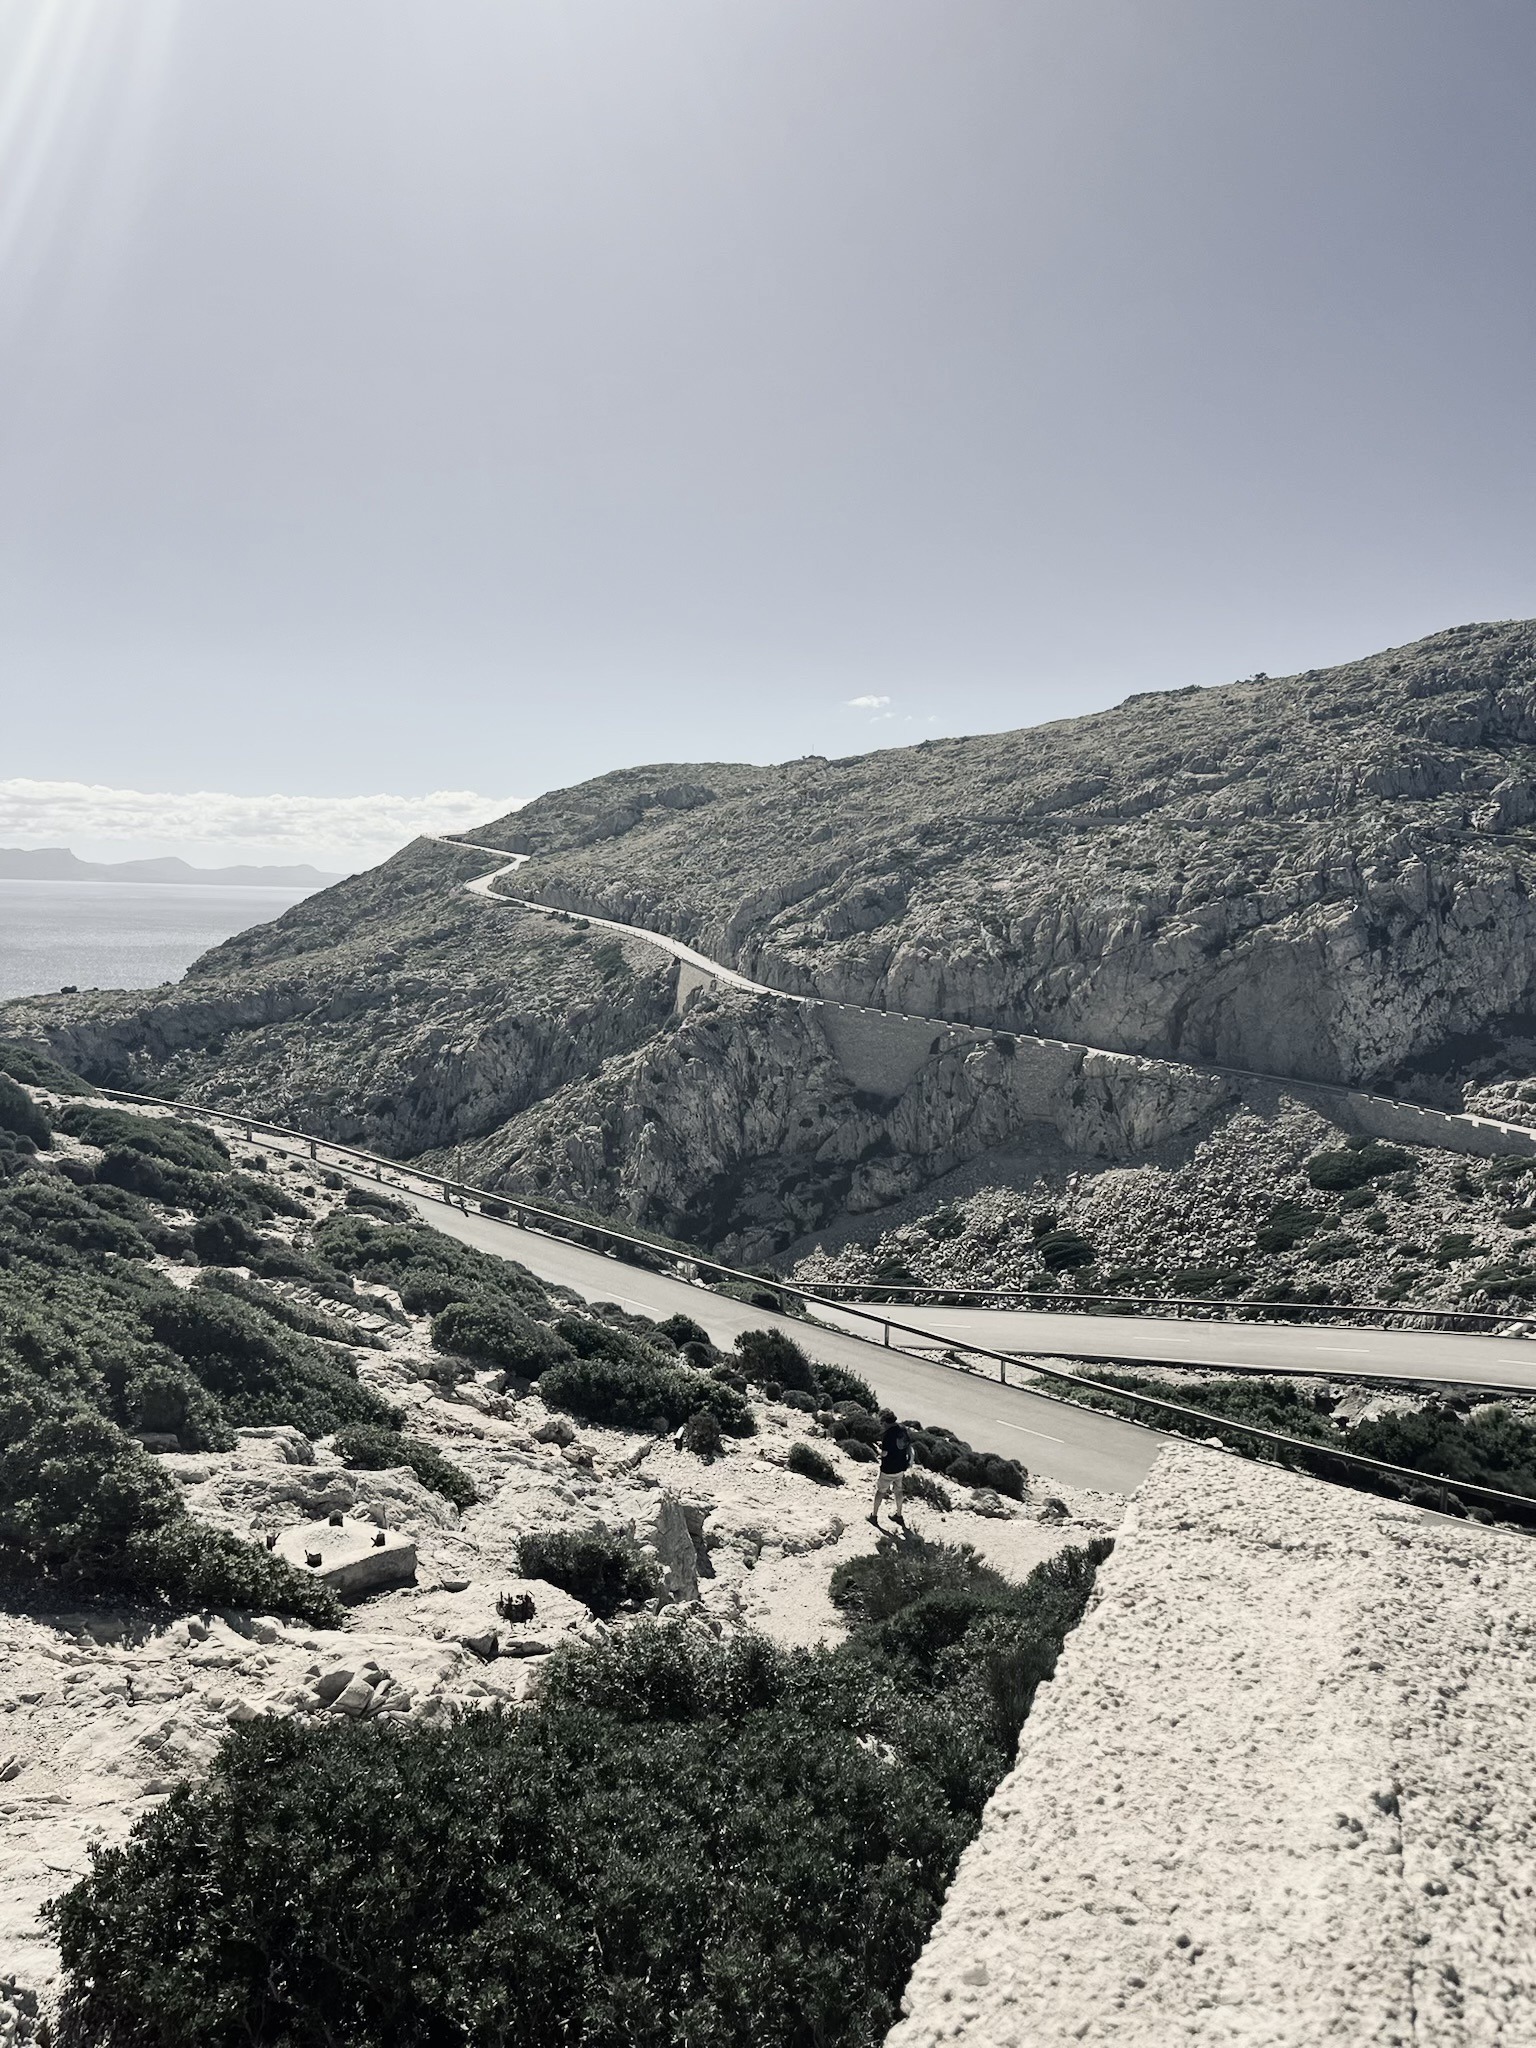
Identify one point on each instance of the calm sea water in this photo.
(119, 934)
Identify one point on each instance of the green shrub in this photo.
(634, 1393)
(1287, 1225)
(918, 1486)
(21, 1117)
(810, 1464)
(309, 1322)
(679, 1840)
(701, 1435)
(593, 1565)
(262, 1373)
(684, 1330)
(365, 1447)
(497, 1333)
(373, 1202)
(770, 1355)
(170, 1139)
(82, 1509)
(1356, 1164)
(839, 1384)
(1065, 1251)
(223, 1239)
(37, 1069)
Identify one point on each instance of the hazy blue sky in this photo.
(479, 394)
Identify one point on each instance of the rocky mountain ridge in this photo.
(1326, 876)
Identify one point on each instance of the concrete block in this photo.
(352, 1559)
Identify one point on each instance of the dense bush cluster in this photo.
(805, 1459)
(488, 1331)
(638, 1392)
(593, 1565)
(95, 1347)
(681, 1841)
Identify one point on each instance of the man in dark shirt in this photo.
(895, 1458)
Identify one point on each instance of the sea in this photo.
(119, 934)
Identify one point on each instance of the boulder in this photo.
(666, 1532)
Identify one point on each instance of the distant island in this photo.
(58, 864)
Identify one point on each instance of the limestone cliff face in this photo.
(739, 1127)
(1328, 876)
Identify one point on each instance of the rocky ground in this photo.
(1277, 1792)
(103, 1711)
(1447, 1231)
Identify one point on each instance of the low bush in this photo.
(636, 1393)
(1287, 1225)
(770, 1355)
(84, 1511)
(261, 1373)
(296, 1315)
(701, 1435)
(837, 1383)
(167, 1138)
(1064, 1251)
(1355, 1164)
(805, 1459)
(20, 1116)
(860, 1453)
(496, 1333)
(223, 1239)
(365, 1447)
(918, 1486)
(684, 1330)
(679, 1840)
(593, 1565)
(374, 1203)
(37, 1069)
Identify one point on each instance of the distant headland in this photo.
(58, 864)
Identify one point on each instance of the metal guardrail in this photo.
(1236, 1309)
(375, 1167)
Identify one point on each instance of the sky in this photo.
(418, 407)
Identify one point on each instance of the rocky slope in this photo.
(1327, 876)
(1240, 1216)
(1324, 875)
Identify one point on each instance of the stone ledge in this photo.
(1277, 1793)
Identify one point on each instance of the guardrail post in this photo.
(887, 1336)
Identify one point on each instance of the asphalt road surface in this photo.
(1052, 1438)
(1427, 1355)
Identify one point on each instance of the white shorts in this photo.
(889, 1483)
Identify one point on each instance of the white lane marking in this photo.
(1354, 1350)
(1003, 1423)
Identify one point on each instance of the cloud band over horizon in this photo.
(216, 826)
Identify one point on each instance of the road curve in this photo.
(1071, 1445)
(1435, 1357)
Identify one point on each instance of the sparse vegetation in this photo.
(755, 1839)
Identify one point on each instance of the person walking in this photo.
(895, 1461)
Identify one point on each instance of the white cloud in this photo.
(868, 703)
(212, 827)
